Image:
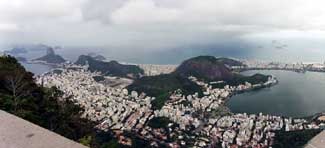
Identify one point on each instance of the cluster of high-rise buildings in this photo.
(298, 67)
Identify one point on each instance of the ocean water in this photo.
(296, 95)
(37, 69)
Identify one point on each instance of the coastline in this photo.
(169, 108)
(300, 92)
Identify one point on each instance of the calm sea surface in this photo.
(37, 69)
(295, 95)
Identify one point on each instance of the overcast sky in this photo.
(291, 28)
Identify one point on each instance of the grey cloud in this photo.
(157, 25)
(101, 9)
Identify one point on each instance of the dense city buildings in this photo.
(298, 67)
(152, 70)
(192, 120)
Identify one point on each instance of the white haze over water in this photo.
(149, 30)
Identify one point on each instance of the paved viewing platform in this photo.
(318, 141)
(19, 133)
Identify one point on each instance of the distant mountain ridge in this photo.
(230, 62)
(97, 56)
(16, 51)
(112, 68)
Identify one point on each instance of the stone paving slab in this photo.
(18, 133)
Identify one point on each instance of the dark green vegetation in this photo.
(240, 79)
(205, 68)
(220, 112)
(98, 78)
(294, 139)
(159, 122)
(112, 68)
(162, 86)
(46, 107)
(137, 142)
(51, 57)
(57, 71)
(165, 124)
(230, 62)
(97, 57)
(255, 79)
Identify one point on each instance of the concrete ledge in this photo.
(317, 142)
(18, 133)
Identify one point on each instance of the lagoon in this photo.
(296, 95)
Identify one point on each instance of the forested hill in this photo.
(112, 68)
(206, 68)
(19, 95)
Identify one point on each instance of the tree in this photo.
(46, 107)
(17, 86)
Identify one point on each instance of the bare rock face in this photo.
(205, 67)
(51, 57)
(50, 51)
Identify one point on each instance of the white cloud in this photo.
(276, 14)
(22, 10)
(101, 9)
(150, 24)
(7, 27)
